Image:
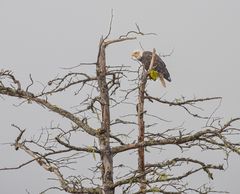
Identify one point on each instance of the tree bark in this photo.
(141, 127)
(104, 132)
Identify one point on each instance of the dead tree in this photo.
(108, 92)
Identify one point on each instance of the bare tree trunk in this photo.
(141, 127)
(104, 133)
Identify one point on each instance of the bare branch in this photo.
(30, 96)
(89, 149)
(202, 135)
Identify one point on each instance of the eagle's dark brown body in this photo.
(158, 65)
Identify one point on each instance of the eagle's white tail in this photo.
(162, 80)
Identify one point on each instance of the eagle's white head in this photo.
(137, 54)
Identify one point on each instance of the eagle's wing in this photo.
(161, 68)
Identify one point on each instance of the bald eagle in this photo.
(159, 68)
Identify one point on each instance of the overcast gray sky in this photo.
(39, 37)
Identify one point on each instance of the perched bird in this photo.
(158, 69)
